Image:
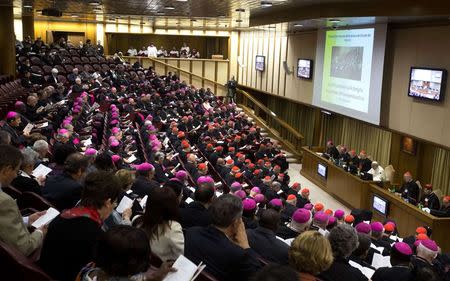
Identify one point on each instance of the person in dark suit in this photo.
(332, 150)
(53, 78)
(196, 213)
(12, 126)
(223, 246)
(359, 255)
(144, 183)
(410, 190)
(72, 235)
(444, 211)
(263, 240)
(24, 180)
(364, 163)
(64, 191)
(161, 175)
(401, 254)
(429, 198)
(344, 241)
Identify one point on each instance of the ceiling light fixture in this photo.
(160, 13)
(334, 20)
(298, 25)
(94, 3)
(181, 0)
(266, 4)
(75, 16)
(169, 7)
(27, 6)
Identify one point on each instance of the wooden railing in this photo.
(193, 71)
(278, 127)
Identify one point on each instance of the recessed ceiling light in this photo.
(94, 3)
(266, 4)
(240, 10)
(181, 0)
(74, 16)
(298, 25)
(238, 20)
(28, 6)
(169, 7)
(334, 20)
(160, 13)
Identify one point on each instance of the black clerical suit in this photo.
(143, 186)
(410, 190)
(224, 259)
(395, 273)
(267, 245)
(62, 191)
(431, 201)
(341, 270)
(195, 214)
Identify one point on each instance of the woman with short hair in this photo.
(310, 254)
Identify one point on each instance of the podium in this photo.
(356, 193)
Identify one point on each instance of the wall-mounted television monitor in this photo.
(322, 170)
(304, 68)
(427, 83)
(260, 63)
(380, 205)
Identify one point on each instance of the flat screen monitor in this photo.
(304, 67)
(380, 205)
(322, 170)
(260, 63)
(427, 83)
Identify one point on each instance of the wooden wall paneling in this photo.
(282, 71)
(197, 68)
(208, 72)
(222, 76)
(160, 69)
(185, 65)
(253, 56)
(271, 65)
(276, 69)
(268, 60)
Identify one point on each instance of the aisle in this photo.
(316, 193)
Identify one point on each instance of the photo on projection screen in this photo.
(260, 62)
(349, 71)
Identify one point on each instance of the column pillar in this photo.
(7, 42)
(28, 25)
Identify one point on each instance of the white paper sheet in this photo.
(28, 128)
(368, 272)
(143, 202)
(379, 249)
(47, 218)
(125, 203)
(131, 158)
(42, 125)
(186, 270)
(41, 171)
(381, 261)
(87, 142)
(189, 200)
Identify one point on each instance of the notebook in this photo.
(186, 270)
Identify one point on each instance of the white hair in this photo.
(426, 253)
(40, 145)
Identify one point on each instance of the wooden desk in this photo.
(356, 193)
(408, 217)
(350, 190)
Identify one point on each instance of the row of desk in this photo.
(355, 193)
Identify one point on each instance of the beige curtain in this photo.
(298, 116)
(358, 136)
(440, 176)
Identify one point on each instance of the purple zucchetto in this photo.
(301, 216)
(429, 244)
(403, 248)
(321, 217)
(204, 179)
(11, 115)
(331, 220)
(308, 206)
(363, 227)
(115, 158)
(235, 186)
(376, 226)
(339, 214)
(115, 143)
(276, 202)
(256, 190)
(248, 204)
(143, 167)
(241, 194)
(181, 175)
(259, 198)
(90, 152)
